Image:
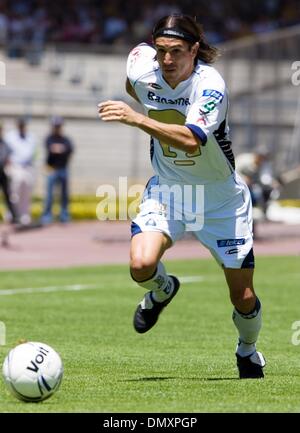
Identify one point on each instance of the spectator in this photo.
(39, 21)
(257, 172)
(4, 180)
(21, 169)
(115, 27)
(250, 166)
(59, 149)
(3, 26)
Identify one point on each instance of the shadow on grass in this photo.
(150, 379)
(160, 378)
(220, 378)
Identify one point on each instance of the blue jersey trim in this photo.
(198, 131)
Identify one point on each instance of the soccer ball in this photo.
(32, 371)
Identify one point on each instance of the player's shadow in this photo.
(219, 378)
(150, 379)
(160, 378)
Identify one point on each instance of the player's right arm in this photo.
(174, 135)
(130, 90)
(140, 60)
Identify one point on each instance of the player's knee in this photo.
(142, 268)
(243, 300)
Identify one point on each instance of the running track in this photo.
(98, 243)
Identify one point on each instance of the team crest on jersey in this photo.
(154, 86)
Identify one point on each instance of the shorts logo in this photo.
(223, 243)
(151, 222)
(232, 251)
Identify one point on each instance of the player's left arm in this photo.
(209, 109)
(178, 136)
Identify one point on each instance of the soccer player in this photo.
(195, 187)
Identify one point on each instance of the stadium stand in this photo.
(70, 80)
(96, 21)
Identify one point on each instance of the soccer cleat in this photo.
(251, 367)
(145, 318)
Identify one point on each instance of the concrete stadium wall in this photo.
(103, 153)
(262, 111)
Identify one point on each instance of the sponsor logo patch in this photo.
(223, 243)
(208, 107)
(213, 93)
(154, 86)
(161, 100)
(232, 251)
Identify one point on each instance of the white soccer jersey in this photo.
(200, 103)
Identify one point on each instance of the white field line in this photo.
(77, 287)
(191, 279)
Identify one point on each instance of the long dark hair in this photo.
(189, 30)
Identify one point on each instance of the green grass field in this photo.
(185, 364)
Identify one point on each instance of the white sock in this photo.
(160, 284)
(248, 326)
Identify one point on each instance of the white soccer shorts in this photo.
(219, 215)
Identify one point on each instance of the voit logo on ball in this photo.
(32, 371)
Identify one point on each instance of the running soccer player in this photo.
(195, 187)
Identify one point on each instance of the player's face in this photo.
(175, 58)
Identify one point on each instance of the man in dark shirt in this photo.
(59, 149)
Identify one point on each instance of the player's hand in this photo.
(117, 111)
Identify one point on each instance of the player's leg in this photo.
(247, 317)
(146, 250)
(153, 232)
(228, 235)
(147, 270)
(247, 308)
